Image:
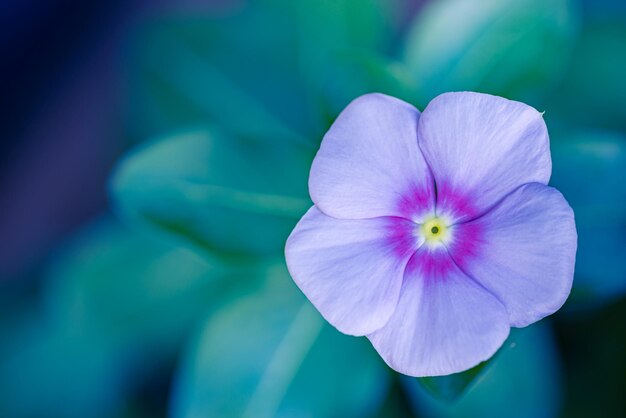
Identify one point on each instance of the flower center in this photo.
(435, 230)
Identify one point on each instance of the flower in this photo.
(432, 234)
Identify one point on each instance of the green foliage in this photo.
(512, 48)
(263, 69)
(593, 88)
(119, 306)
(522, 381)
(218, 191)
(357, 73)
(137, 289)
(50, 372)
(449, 388)
(273, 355)
(588, 169)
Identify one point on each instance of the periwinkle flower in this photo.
(432, 234)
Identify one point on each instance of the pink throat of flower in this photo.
(436, 233)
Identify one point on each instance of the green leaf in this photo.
(588, 169)
(357, 73)
(593, 89)
(189, 71)
(259, 69)
(49, 372)
(331, 34)
(451, 387)
(119, 305)
(142, 293)
(522, 381)
(273, 355)
(220, 192)
(513, 48)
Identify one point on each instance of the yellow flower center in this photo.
(435, 230)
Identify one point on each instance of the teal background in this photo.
(155, 157)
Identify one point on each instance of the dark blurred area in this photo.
(64, 98)
(105, 318)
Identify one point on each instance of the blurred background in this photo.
(155, 157)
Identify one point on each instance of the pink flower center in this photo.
(442, 231)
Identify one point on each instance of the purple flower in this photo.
(433, 234)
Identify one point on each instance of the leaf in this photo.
(357, 73)
(119, 306)
(604, 8)
(189, 72)
(272, 355)
(511, 48)
(139, 292)
(451, 387)
(523, 380)
(219, 192)
(593, 89)
(48, 372)
(198, 70)
(351, 29)
(588, 169)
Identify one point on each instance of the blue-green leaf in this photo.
(513, 48)
(49, 371)
(273, 355)
(593, 88)
(218, 191)
(356, 73)
(588, 168)
(189, 70)
(142, 292)
(449, 388)
(119, 305)
(523, 381)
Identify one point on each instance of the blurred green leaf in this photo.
(523, 381)
(48, 372)
(219, 192)
(191, 71)
(604, 8)
(512, 48)
(257, 70)
(356, 73)
(118, 307)
(144, 293)
(593, 90)
(451, 387)
(273, 355)
(588, 168)
(331, 34)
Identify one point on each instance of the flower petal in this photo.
(351, 270)
(523, 250)
(444, 322)
(369, 163)
(480, 148)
